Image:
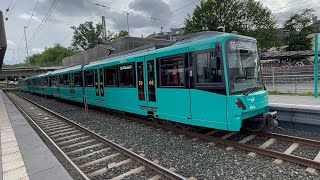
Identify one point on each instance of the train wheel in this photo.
(183, 127)
(255, 124)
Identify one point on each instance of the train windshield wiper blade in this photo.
(249, 91)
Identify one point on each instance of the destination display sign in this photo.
(125, 67)
(242, 45)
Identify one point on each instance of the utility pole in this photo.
(104, 30)
(25, 38)
(128, 22)
(316, 62)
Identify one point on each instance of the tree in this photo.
(122, 33)
(53, 54)
(86, 36)
(247, 17)
(299, 27)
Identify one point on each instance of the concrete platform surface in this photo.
(297, 112)
(295, 102)
(23, 154)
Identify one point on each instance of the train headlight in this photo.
(240, 104)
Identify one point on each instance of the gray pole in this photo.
(128, 22)
(104, 30)
(25, 38)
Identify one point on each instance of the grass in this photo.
(275, 92)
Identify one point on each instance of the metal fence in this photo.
(42, 64)
(288, 79)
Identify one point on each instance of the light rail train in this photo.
(208, 79)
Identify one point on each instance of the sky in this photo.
(145, 17)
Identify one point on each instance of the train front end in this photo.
(248, 99)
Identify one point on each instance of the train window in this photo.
(111, 76)
(126, 75)
(151, 81)
(66, 80)
(140, 81)
(77, 79)
(61, 81)
(51, 81)
(89, 78)
(46, 81)
(208, 69)
(172, 72)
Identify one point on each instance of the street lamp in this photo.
(128, 22)
(25, 38)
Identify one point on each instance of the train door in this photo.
(150, 84)
(146, 82)
(141, 79)
(71, 84)
(98, 83)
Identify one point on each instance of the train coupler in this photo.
(271, 119)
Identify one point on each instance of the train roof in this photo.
(69, 69)
(184, 41)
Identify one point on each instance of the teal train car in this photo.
(67, 83)
(207, 79)
(38, 84)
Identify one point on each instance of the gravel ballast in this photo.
(188, 157)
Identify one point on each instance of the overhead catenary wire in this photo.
(14, 5)
(187, 5)
(33, 13)
(8, 9)
(44, 20)
(294, 4)
(104, 6)
(125, 12)
(69, 34)
(27, 26)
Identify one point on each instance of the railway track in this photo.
(269, 139)
(228, 139)
(93, 156)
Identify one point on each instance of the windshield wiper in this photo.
(241, 77)
(249, 91)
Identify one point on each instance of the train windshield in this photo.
(244, 70)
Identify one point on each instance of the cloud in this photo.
(11, 43)
(36, 50)
(26, 17)
(152, 8)
(67, 8)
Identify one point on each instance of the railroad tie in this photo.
(110, 166)
(133, 171)
(312, 170)
(263, 146)
(226, 137)
(90, 154)
(243, 141)
(99, 160)
(288, 151)
(156, 177)
(212, 132)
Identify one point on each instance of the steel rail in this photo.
(266, 152)
(163, 171)
(300, 140)
(51, 141)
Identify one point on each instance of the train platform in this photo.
(23, 154)
(297, 112)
